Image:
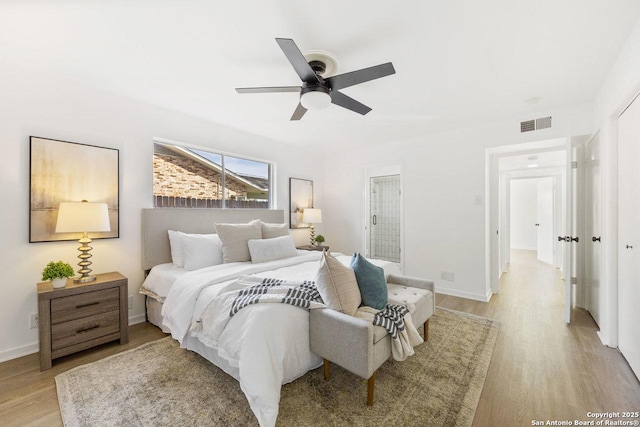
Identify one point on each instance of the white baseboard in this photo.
(138, 318)
(28, 349)
(603, 338)
(14, 353)
(463, 294)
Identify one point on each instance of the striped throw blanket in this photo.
(300, 294)
(249, 290)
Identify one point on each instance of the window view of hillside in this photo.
(187, 177)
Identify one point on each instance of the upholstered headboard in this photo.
(156, 222)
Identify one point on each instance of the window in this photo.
(189, 177)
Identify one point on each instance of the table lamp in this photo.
(312, 216)
(83, 217)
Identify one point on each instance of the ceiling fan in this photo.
(316, 91)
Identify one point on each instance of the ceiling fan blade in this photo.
(349, 103)
(297, 60)
(268, 89)
(300, 110)
(360, 76)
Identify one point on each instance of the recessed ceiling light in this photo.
(532, 165)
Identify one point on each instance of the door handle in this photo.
(574, 239)
(595, 239)
(629, 247)
(374, 220)
(537, 225)
(563, 239)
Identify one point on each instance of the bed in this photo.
(264, 345)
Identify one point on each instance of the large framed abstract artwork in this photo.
(62, 171)
(300, 197)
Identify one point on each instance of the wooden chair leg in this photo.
(371, 384)
(327, 364)
(426, 330)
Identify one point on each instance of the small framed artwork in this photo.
(300, 197)
(63, 171)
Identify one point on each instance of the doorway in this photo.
(384, 213)
(569, 199)
(531, 217)
(384, 222)
(504, 164)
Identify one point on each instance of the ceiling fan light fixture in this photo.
(315, 100)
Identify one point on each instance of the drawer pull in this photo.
(87, 329)
(88, 304)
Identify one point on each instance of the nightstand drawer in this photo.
(85, 329)
(83, 305)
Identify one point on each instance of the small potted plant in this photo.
(319, 239)
(57, 273)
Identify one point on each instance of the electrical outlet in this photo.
(33, 321)
(447, 275)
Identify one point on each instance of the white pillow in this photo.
(269, 230)
(201, 250)
(235, 237)
(337, 285)
(177, 248)
(263, 250)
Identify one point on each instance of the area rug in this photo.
(160, 384)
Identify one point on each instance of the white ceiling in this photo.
(456, 61)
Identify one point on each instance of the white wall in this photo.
(620, 85)
(65, 110)
(524, 214)
(444, 174)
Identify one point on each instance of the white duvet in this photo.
(267, 343)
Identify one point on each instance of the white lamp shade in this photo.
(82, 217)
(315, 100)
(312, 216)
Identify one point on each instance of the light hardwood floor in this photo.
(542, 369)
(28, 397)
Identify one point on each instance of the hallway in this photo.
(542, 368)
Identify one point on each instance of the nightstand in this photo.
(313, 248)
(81, 315)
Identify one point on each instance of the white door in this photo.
(592, 234)
(544, 222)
(384, 221)
(568, 231)
(629, 234)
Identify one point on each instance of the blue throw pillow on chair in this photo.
(371, 281)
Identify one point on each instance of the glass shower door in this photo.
(384, 220)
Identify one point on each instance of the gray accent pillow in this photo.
(371, 281)
(337, 285)
(263, 250)
(234, 239)
(269, 230)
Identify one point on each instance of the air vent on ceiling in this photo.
(529, 125)
(543, 123)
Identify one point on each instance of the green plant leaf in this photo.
(55, 270)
